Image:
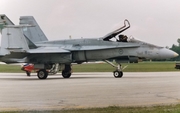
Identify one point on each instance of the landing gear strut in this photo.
(66, 73)
(118, 72)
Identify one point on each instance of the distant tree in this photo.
(177, 50)
(178, 40)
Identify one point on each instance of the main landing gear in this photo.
(53, 69)
(118, 72)
(45, 70)
(66, 73)
(42, 74)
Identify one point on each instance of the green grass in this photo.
(113, 109)
(104, 67)
(10, 68)
(132, 67)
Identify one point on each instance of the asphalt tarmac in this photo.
(84, 90)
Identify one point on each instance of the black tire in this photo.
(118, 74)
(66, 74)
(42, 74)
(28, 73)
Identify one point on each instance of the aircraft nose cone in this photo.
(166, 53)
(175, 54)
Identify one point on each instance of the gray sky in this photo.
(153, 21)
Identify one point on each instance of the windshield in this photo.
(133, 40)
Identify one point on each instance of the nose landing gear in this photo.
(118, 73)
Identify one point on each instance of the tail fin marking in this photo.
(35, 34)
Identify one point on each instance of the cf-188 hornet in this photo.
(26, 43)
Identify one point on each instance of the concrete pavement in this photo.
(83, 90)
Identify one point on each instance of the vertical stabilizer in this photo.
(35, 34)
(4, 20)
(13, 39)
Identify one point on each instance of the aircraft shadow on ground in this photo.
(74, 76)
(52, 78)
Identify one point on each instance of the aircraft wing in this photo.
(47, 50)
(49, 54)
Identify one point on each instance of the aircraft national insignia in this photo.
(120, 51)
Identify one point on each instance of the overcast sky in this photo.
(153, 21)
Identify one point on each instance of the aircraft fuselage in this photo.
(98, 49)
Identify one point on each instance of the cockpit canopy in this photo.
(117, 31)
(116, 36)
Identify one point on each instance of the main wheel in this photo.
(42, 74)
(66, 74)
(118, 74)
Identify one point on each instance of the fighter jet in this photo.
(26, 43)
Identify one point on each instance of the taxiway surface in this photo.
(83, 90)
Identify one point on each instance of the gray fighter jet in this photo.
(26, 43)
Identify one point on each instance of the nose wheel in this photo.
(118, 74)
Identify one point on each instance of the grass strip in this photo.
(104, 67)
(113, 109)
